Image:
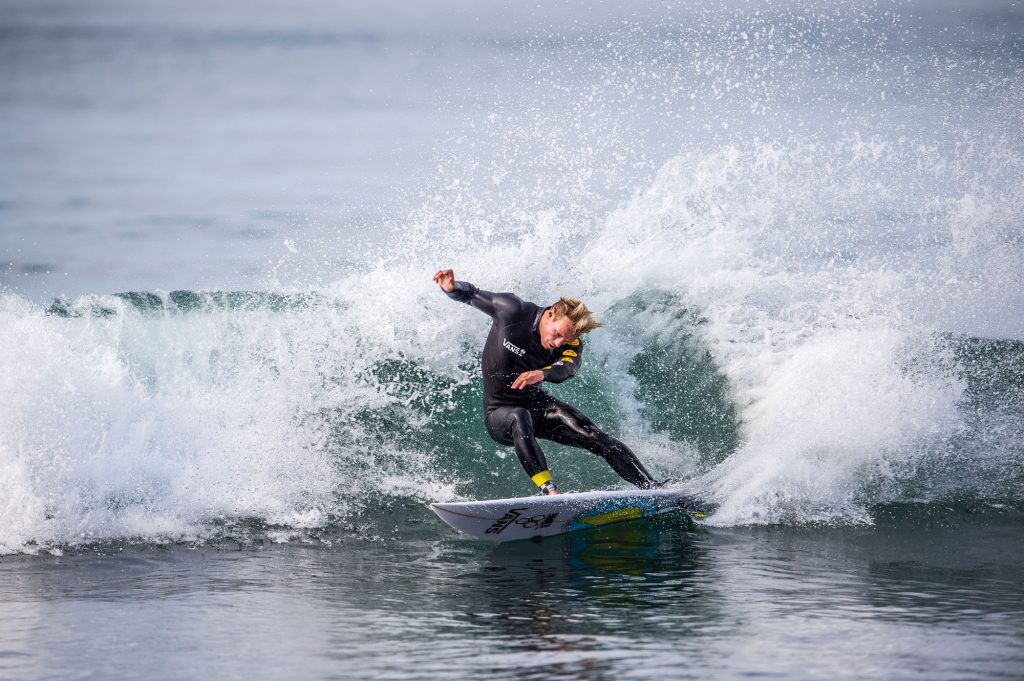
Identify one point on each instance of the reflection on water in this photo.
(627, 548)
(568, 606)
(639, 564)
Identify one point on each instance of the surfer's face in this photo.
(555, 331)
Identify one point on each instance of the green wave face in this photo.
(681, 390)
(152, 303)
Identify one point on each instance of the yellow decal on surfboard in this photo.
(628, 513)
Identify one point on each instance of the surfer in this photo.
(529, 345)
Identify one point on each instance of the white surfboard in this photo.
(543, 516)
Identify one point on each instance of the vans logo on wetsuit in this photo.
(508, 346)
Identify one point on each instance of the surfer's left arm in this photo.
(567, 365)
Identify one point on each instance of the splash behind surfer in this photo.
(527, 346)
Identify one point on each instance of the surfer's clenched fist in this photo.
(446, 280)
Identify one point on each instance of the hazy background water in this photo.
(154, 147)
(148, 146)
(801, 220)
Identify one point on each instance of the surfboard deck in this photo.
(543, 516)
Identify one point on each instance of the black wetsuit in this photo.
(519, 417)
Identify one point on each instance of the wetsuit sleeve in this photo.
(491, 304)
(566, 366)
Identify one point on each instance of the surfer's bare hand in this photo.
(446, 280)
(527, 378)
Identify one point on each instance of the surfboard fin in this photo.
(697, 507)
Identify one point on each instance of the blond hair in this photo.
(583, 320)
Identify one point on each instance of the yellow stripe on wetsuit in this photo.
(541, 478)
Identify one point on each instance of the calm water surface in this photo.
(639, 600)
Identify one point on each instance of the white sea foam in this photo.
(161, 425)
(824, 282)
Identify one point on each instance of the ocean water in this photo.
(228, 387)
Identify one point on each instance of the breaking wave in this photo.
(806, 323)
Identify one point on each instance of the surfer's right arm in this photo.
(487, 302)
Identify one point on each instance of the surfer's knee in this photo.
(506, 424)
(521, 422)
(611, 449)
(598, 439)
(610, 443)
